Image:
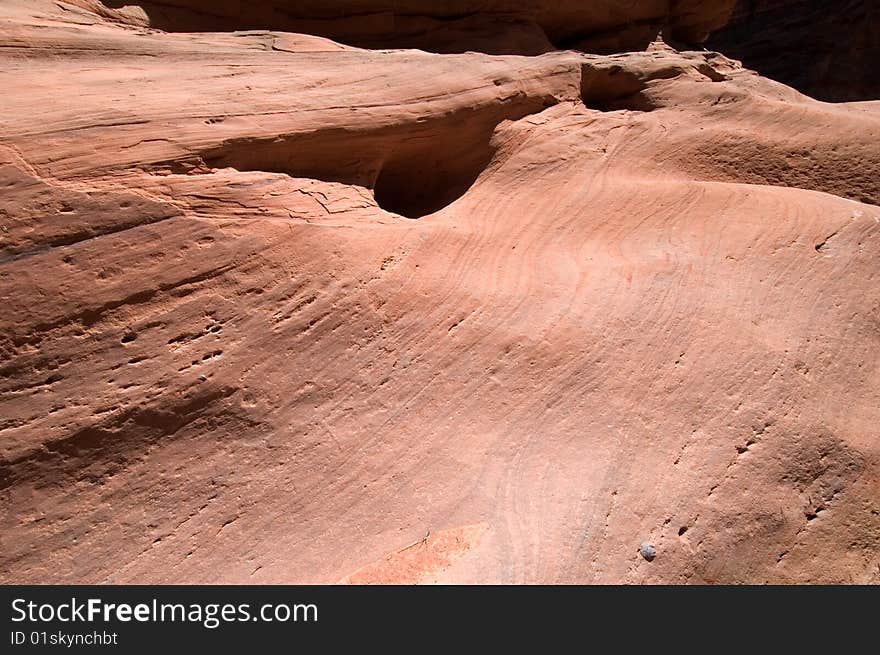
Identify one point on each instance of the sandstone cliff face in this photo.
(826, 49)
(494, 26)
(277, 309)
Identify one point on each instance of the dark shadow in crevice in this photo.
(327, 155)
(634, 37)
(412, 174)
(614, 88)
(453, 26)
(826, 50)
(423, 175)
(413, 169)
(432, 29)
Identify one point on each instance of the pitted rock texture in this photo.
(281, 310)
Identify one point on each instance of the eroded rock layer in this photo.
(281, 310)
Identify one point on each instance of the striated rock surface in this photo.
(281, 310)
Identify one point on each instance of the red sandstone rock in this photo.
(495, 26)
(638, 305)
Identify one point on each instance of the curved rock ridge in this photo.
(279, 310)
(493, 26)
